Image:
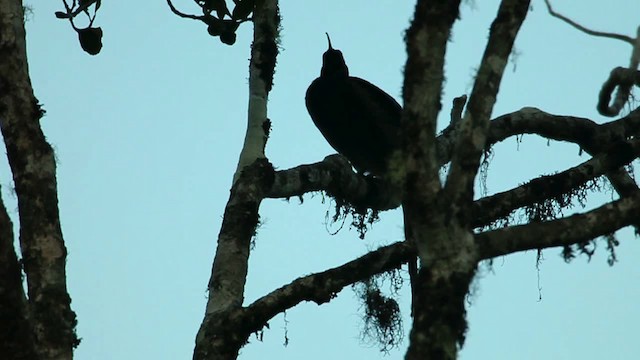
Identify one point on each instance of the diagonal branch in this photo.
(324, 286)
(472, 136)
(566, 231)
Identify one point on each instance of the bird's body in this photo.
(357, 118)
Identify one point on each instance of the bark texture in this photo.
(437, 313)
(32, 162)
(437, 219)
(221, 333)
(16, 337)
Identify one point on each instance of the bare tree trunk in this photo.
(437, 217)
(440, 325)
(32, 162)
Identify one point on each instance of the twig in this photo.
(181, 14)
(586, 30)
(623, 86)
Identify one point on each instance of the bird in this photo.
(358, 119)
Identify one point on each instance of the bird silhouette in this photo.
(358, 119)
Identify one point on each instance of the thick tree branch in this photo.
(33, 166)
(253, 178)
(488, 209)
(422, 92)
(566, 231)
(324, 286)
(528, 120)
(335, 176)
(587, 134)
(472, 136)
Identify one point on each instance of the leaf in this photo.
(61, 15)
(215, 27)
(243, 9)
(219, 6)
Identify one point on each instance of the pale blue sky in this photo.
(148, 133)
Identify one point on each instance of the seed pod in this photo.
(90, 40)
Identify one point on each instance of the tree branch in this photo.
(16, 338)
(566, 231)
(181, 14)
(624, 89)
(587, 134)
(335, 176)
(324, 286)
(253, 178)
(623, 79)
(472, 136)
(586, 30)
(264, 51)
(423, 206)
(490, 208)
(422, 92)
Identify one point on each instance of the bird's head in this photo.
(333, 62)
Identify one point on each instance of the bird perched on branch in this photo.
(358, 119)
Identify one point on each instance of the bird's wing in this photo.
(386, 117)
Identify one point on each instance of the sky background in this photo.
(147, 136)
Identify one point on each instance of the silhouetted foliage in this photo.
(90, 37)
(220, 22)
(90, 40)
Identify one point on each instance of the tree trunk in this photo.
(33, 166)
